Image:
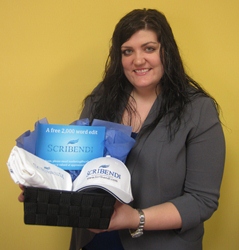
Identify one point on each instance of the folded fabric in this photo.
(118, 141)
(30, 170)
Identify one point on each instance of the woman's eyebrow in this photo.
(149, 43)
(144, 44)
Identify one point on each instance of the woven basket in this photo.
(91, 209)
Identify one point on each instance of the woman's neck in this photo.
(141, 102)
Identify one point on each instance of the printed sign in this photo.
(69, 147)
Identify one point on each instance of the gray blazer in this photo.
(186, 171)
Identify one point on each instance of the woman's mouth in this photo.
(141, 71)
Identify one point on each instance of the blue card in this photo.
(69, 147)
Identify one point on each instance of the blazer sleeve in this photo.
(205, 163)
(86, 111)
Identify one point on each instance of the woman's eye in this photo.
(127, 52)
(150, 49)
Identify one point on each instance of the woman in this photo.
(177, 162)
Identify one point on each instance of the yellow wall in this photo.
(52, 53)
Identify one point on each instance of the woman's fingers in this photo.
(21, 196)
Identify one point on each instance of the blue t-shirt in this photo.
(106, 240)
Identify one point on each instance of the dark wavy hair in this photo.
(110, 98)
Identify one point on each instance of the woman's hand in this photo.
(159, 217)
(21, 196)
(124, 217)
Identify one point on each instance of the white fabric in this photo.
(30, 170)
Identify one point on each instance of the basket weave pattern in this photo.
(69, 209)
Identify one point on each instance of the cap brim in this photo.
(117, 193)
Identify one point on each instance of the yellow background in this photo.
(52, 53)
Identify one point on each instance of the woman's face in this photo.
(141, 60)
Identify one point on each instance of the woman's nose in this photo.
(139, 59)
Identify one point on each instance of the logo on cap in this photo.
(102, 171)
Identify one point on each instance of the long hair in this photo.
(110, 99)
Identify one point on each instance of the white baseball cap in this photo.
(107, 173)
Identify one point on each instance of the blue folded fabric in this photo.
(28, 139)
(118, 141)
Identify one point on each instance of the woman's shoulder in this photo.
(200, 100)
(198, 97)
(202, 111)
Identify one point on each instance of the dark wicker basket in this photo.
(91, 209)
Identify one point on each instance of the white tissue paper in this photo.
(30, 170)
